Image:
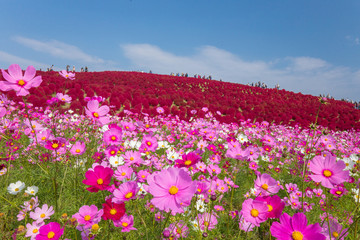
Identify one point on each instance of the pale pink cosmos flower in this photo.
(88, 215)
(63, 97)
(33, 229)
(40, 214)
(67, 75)
(254, 211)
(15, 80)
(266, 185)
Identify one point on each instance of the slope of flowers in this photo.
(143, 92)
(100, 176)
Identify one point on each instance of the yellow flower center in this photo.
(95, 227)
(35, 230)
(51, 234)
(296, 235)
(112, 152)
(327, 173)
(206, 223)
(77, 150)
(254, 212)
(16, 189)
(21, 82)
(113, 138)
(148, 143)
(125, 224)
(131, 158)
(95, 114)
(100, 181)
(43, 138)
(42, 215)
(188, 162)
(173, 190)
(335, 234)
(270, 208)
(113, 211)
(338, 192)
(265, 186)
(123, 173)
(55, 145)
(129, 195)
(66, 75)
(87, 217)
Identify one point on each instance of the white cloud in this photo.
(353, 40)
(299, 74)
(6, 59)
(59, 49)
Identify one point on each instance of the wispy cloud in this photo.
(353, 40)
(59, 49)
(8, 59)
(300, 74)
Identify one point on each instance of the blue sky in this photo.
(308, 46)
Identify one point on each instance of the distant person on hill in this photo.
(67, 68)
(82, 69)
(73, 69)
(86, 69)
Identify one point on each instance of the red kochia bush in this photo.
(142, 92)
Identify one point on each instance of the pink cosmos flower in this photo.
(172, 189)
(160, 110)
(336, 230)
(245, 225)
(266, 185)
(123, 172)
(15, 80)
(207, 221)
(88, 215)
(97, 113)
(63, 97)
(149, 143)
(327, 171)
(99, 178)
(126, 192)
(78, 148)
(32, 230)
(295, 227)
(51, 231)
(113, 136)
(67, 75)
(254, 211)
(40, 214)
(126, 223)
(133, 157)
(178, 230)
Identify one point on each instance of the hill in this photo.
(230, 102)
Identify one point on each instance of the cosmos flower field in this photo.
(79, 165)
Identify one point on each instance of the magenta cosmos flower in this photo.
(296, 228)
(97, 113)
(98, 179)
(15, 80)
(51, 231)
(113, 136)
(126, 192)
(327, 171)
(187, 160)
(172, 189)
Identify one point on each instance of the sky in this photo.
(307, 46)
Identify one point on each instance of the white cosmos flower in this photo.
(32, 190)
(116, 161)
(15, 188)
(356, 193)
(200, 205)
